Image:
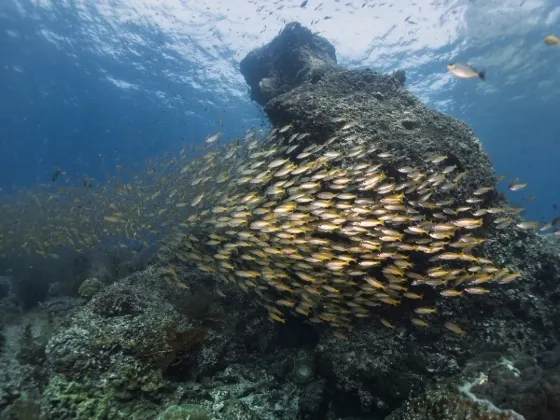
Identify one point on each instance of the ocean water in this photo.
(88, 85)
(90, 88)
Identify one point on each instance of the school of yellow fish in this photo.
(319, 230)
(327, 234)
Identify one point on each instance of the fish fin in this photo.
(482, 74)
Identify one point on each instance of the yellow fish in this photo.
(551, 40)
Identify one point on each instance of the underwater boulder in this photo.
(378, 367)
(117, 349)
(294, 56)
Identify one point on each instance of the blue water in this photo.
(85, 88)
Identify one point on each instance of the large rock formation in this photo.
(380, 367)
(142, 348)
(296, 55)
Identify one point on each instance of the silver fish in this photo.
(465, 71)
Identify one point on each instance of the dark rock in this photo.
(380, 367)
(90, 287)
(313, 399)
(550, 358)
(23, 408)
(6, 287)
(409, 124)
(400, 75)
(294, 56)
(32, 288)
(303, 368)
(32, 344)
(521, 385)
(185, 411)
(10, 305)
(119, 346)
(445, 402)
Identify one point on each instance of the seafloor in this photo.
(134, 347)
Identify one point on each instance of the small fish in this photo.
(349, 125)
(516, 185)
(437, 158)
(551, 40)
(483, 190)
(451, 293)
(509, 278)
(277, 318)
(406, 169)
(286, 302)
(465, 71)
(197, 199)
(385, 154)
(87, 183)
(419, 322)
(55, 175)
(113, 219)
(277, 162)
(468, 223)
(546, 226)
(528, 225)
(387, 323)
(449, 169)
(476, 290)
(285, 128)
(213, 138)
(340, 336)
(455, 328)
(425, 310)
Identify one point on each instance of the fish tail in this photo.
(482, 74)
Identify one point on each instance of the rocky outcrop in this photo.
(294, 56)
(380, 367)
